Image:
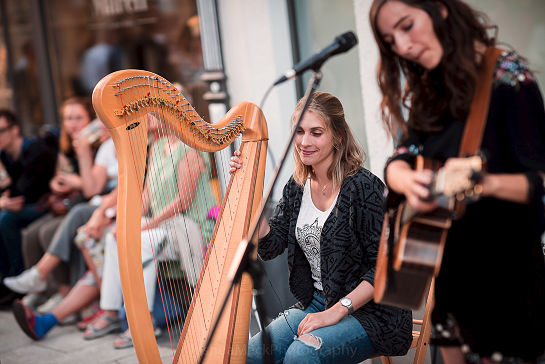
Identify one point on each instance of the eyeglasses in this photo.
(2, 130)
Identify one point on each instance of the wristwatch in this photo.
(347, 302)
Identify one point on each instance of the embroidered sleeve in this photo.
(512, 70)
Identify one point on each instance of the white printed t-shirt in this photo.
(308, 232)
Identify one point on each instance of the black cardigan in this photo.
(348, 252)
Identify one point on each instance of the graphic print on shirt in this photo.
(309, 239)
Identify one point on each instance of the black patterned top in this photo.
(349, 245)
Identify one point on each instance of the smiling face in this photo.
(74, 118)
(409, 33)
(313, 141)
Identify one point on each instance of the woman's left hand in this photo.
(235, 163)
(313, 321)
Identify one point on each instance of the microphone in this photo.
(341, 44)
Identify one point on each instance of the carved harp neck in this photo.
(122, 101)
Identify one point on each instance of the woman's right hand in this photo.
(64, 183)
(413, 184)
(59, 186)
(235, 162)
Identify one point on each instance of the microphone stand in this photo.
(242, 261)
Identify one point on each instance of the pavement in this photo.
(64, 345)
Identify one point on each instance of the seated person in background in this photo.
(76, 179)
(30, 165)
(94, 178)
(176, 202)
(85, 291)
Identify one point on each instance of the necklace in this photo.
(324, 187)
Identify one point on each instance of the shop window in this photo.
(86, 40)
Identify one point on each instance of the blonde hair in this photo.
(348, 156)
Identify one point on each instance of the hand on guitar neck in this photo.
(460, 178)
(427, 187)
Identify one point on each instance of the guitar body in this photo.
(419, 238)
(416, 258)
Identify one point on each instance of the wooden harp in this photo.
(122, 101)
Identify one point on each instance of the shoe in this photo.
(50, 304)
(33, 300)
(27, 282)
(92, 332)
(34, 326)
(25, 318)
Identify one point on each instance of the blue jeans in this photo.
(62, 244)
(344, 342)
(11, 224)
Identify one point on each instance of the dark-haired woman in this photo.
(490, 292)
(329, 219)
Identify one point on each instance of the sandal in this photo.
(123, 341)
(86, 321)
(92, 332)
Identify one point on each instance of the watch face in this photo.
(345, 301)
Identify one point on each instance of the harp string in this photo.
(164, 133)
(185, 290)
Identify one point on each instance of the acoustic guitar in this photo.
(403, 274)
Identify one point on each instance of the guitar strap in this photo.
(478, 112)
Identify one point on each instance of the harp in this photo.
(122, 101)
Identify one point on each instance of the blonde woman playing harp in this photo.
(123, 100)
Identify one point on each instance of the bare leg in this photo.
(46, 264)
(452, 355)
(78, 297)
(64, 290)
